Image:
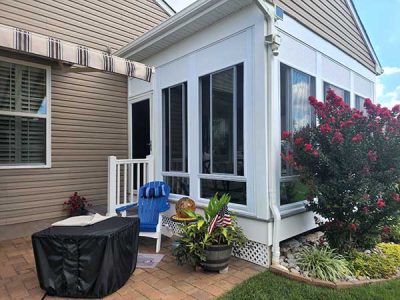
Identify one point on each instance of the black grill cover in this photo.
(86, 262)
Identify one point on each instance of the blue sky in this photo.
(381, 18)
(382, 22)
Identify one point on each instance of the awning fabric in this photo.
(53, 48)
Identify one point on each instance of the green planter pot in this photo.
(217, 258)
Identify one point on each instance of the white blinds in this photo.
(22, 114)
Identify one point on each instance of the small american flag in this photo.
(223, 218)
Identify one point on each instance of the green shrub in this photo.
(394, 234)
(350, 162)
(323, 263)
(373, 265)
(392, 251)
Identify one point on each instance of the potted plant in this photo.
(77, 205)
(208, 241)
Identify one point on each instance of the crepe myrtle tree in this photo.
(350, 162)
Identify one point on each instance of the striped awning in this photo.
(22, 40)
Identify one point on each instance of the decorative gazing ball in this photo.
(183, 204)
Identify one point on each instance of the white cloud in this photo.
(388, 99)
(391, 70)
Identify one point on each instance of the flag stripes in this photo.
(222, 219)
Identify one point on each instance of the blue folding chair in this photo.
(153, 200)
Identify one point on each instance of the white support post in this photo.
(112, 185)
(150, 170)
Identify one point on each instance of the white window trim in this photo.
(47, 115)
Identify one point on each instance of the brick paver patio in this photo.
(167, 281)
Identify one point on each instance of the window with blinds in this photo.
(23, 115)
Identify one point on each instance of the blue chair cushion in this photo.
(154, 192)
(148, 227)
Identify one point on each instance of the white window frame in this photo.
(220, 176)
(46, 116)
(185, 149)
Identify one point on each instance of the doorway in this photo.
(140, 134)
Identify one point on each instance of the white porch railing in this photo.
(125, 177)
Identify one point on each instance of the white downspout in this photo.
(272, 51)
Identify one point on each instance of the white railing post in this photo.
(112, 185)
(150, 168)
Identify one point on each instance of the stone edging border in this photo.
(322, 283)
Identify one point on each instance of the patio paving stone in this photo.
(18, 278)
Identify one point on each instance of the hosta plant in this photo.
(350, 161)
(323, 263)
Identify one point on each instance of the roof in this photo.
(166, 7)
(193, 18)
(202, 14)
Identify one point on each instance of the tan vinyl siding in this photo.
(332, 20)
(88, 110)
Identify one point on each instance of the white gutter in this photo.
(273, 41)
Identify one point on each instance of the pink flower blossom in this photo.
(380, 203)
(298, 141)
(338, 137)
(308, 147)
(372, 155)
(325, 128)
(357, 138)
(286, 135)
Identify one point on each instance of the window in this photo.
(360, 103)
(175, 156)
(345, 95)
(222, 145)
(24, 116)
(296, 112)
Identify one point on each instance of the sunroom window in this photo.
(360, 103)
(338, 91)
(23, 115)
(175, 147)
(222, 145)
(296, 112)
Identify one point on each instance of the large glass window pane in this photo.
(179, 185)
(345, 95)
(175, 128)
(222, 122)
(22, 140)
(293, 191)
(223, 132)
(237, 190)
(296, 112)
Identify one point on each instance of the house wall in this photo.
(88, 110)
(334, 22)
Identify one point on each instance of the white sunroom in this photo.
(229, 78)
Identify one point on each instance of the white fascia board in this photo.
(365, 36)
(165, 27)
(166, 7)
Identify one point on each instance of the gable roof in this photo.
(319, 16)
